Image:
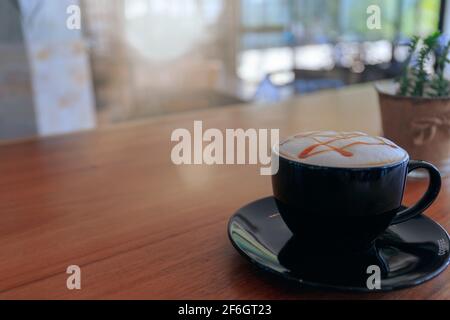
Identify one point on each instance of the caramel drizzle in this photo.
(309, 151)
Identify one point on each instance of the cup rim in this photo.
(275, 150)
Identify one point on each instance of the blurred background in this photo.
(134, 59)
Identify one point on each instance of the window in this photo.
(271, 23)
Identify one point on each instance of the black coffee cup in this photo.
(347, 208)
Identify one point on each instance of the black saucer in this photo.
(407, 254)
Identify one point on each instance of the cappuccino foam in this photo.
(341, 149)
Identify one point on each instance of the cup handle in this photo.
(427, 199)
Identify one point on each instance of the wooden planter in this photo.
(420, 125)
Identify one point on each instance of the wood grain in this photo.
(112, 202)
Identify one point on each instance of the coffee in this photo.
(341, 149)
(343, 189)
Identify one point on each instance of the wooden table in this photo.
(112, 202)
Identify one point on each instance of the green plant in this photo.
(417, 79)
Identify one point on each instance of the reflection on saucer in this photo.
(332, 267)
(407, 254)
